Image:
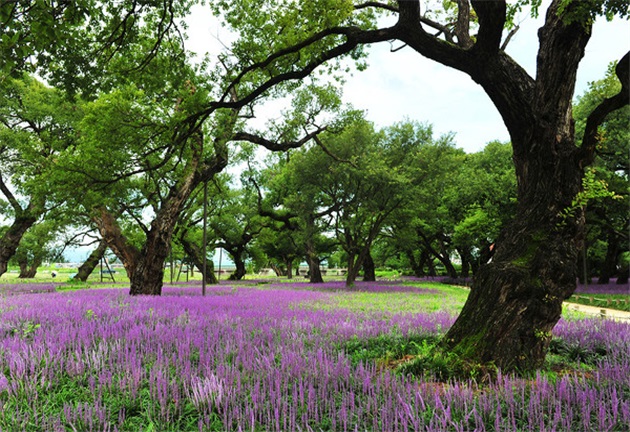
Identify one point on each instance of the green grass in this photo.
(451, 299)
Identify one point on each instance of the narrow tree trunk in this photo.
(369, 271)
(609, 267)
(88, 266)
(289, 269)
(196, 255)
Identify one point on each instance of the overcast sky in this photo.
(403, 84)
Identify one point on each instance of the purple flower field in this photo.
(245, 358)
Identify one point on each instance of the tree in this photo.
(72, 44)
(421, 230)
(517, 298)
(481, 203)
(235, 223)
(607, 218)
(40, 243)
(34, 125)
(355, 179)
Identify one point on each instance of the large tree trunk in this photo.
(369, 270)
(314, 272)
(88, 266)
(516, 300)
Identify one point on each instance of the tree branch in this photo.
(462, 28)
(597, 117)
(492, 16)
(274, 146)
(376, 5)
(12, 200)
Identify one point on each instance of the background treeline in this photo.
(112, 172)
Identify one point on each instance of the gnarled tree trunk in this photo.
(314, 272)
(237, 256)
(516, 300)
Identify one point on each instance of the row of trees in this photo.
(125, 90)
(355, 197)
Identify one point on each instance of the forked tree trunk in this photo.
(27, 271)
(88, 266)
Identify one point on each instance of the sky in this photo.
(404, 85)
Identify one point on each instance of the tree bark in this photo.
(517, 298)
(369, 271)
(88, 266)
(289, 269)
(466, 257)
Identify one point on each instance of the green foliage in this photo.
(73, 43)
(592, 189)
(385, 348)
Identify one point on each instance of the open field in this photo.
(285, 356)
